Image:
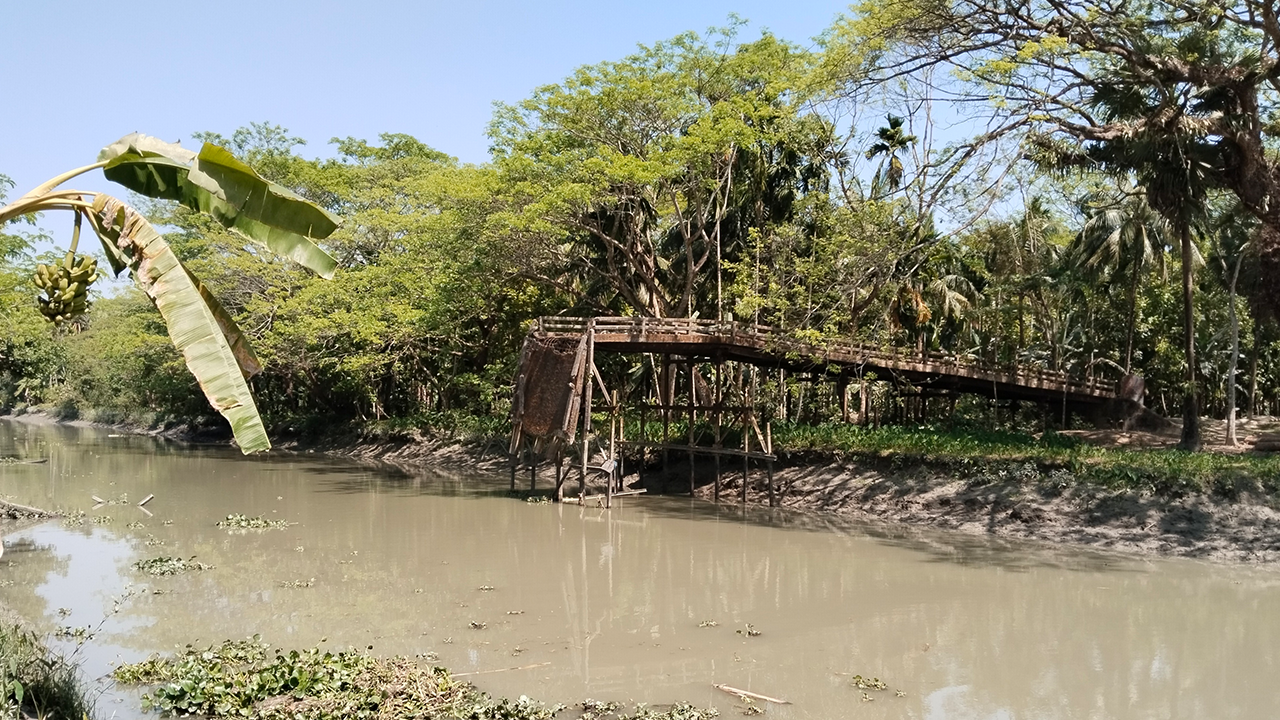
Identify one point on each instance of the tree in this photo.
(1125, 238)
(211, 181)
(632, 181)
(1232, 244)
(1206, 71)
(893, 140)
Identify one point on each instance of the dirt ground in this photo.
(1037, 506)
(1213, 432)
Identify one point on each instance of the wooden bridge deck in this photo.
(764, 346)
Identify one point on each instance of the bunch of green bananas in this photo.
(65, 287)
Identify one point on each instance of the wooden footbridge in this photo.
(558, 376)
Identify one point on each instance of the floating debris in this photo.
(485, 588)
(244, 522)
(749, 631)
(874, 683)
(478, 625)
(710, 623)
(80, 634)
(135, 525)
(298, 583)
(169, 566)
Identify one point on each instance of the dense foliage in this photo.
(815, 190)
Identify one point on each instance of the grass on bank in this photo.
(34, 683)
(1164, 471)
(249, 679)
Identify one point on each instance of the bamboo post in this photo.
(613, 452)
(719, 402)
(768, 464)
(560, 473)
(586, 407)
(693, 418)
(644, 437)
(665, 400)
(515, 462)
(533, 469)
(773, 495)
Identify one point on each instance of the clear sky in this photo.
(79, 75)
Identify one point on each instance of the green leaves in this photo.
(213, 347)
(213, 181)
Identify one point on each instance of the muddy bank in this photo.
(1003, 499)
(410, 451)
(130, 424)
(1020, 501)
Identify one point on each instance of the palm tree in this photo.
(1174, 163)
(893, 140)
(1125, 239)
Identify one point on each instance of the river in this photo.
(649, 602)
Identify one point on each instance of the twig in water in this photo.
(486, 672)
(754, 696)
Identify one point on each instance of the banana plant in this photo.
(212, 181)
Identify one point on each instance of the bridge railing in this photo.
(772, 338)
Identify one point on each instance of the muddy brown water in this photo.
(608, 604)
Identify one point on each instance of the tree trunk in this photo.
(1235, 356)
(1190, 406)
(1133, 316)
(1253, 373)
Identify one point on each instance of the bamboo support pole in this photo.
(515, 461)
(719, 399)
(693, 419)
(586, 407)
(613, 452)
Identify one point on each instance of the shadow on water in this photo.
(937, 545)
(354, 477)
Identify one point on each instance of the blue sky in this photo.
(80, 75)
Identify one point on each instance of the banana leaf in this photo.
(236, 340)
(208, 342)
(215, 182)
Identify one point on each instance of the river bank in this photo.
(1223, 517)
(1145, 501)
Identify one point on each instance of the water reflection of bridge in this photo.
(558, 376)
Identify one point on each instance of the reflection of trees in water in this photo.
(24, 567)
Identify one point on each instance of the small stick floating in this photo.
(146, 500)
(753, 696)
(518, 667)
(98, 500)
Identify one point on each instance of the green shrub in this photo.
(34, 683)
